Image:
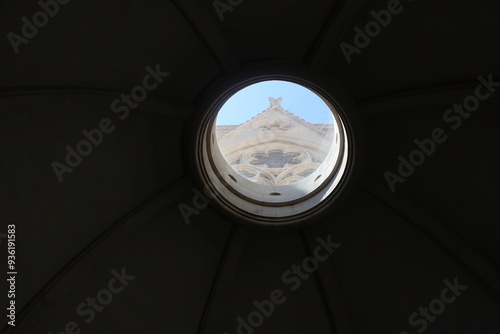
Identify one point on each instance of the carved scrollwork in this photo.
(275, 165)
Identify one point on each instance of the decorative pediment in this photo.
(275, 147)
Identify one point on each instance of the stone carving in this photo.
(275, 147)
(276, 125)
(275, 159)
(276, 103)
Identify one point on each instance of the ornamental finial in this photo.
(276, 103)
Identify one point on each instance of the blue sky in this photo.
(253, 99)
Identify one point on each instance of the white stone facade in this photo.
(275, 147)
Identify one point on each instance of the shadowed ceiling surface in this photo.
(118, 209)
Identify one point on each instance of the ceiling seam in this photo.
(153, 204)
(467, 254)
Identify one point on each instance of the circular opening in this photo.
(273, 150)
(279, 142)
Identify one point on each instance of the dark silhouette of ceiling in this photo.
(117, 212)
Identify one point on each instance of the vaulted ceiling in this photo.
(118, 208)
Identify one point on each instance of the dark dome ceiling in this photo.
(114, 224)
